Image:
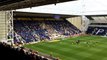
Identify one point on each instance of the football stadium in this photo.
(53, 30)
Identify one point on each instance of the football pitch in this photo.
(88, 48)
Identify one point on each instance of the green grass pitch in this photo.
(89, 48)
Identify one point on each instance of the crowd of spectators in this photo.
(10, 52)
(30, 31)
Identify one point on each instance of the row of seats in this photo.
(31, 31)
(9, 52)
(97, 31)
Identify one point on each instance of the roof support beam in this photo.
(30, 3)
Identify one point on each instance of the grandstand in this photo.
(50, 36)
(43, 27)
(98, 25)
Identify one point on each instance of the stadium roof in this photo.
(77, 7)
(40, 15)
(16, 4)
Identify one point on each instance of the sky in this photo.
(79, 7)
